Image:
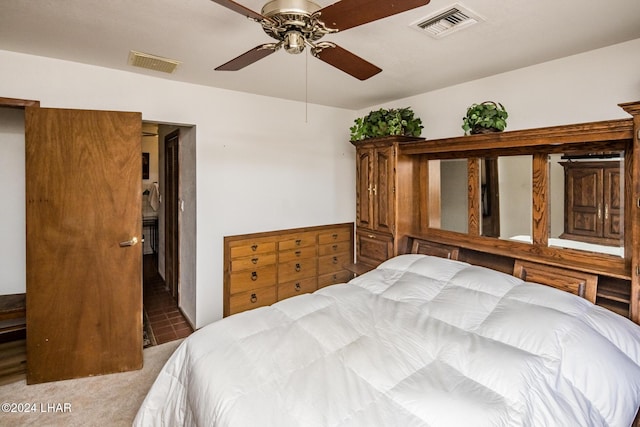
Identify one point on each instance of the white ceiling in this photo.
(202, 35)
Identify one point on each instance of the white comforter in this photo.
(420, 341)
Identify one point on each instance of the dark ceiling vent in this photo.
(446, 22)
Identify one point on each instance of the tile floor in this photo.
(165, 321)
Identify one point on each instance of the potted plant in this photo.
(486, 117)
(386, 122)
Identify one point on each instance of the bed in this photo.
(418, 341)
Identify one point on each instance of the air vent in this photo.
(448, 21)
(152, 62)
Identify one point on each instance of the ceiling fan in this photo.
(299, 23)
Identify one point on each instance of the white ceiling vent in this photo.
(152, 62)
(447, 21)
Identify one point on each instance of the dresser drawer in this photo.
(332, 236)
(342, 276)
(297, 254)
(252, 279)
(248, 248)
(334, 248)
(330, 263)
(297, 270)
(291, 289)
(252, 299)
(253, 262)
(295, 241)
(373, 248)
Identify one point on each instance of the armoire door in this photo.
(84, 263)
(364, 188)
(384, 190)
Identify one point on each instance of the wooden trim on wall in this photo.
(18, 103)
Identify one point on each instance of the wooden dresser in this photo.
(262, 268)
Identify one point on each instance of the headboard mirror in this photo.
(585, 198)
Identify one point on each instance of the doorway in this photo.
(162, 300)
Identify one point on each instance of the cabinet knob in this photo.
(254, 260)
(298, 267)
(334, 235)
(297, 287)
(335, 259)
(298, 253)
(254, 298)
(298, 242)
(254, 276)
(254, 247)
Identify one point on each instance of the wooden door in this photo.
(84, 268)
(384, 190)
(171, 213)
(364, 188)
(613, 202)
(583, 198)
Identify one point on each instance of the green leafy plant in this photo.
(488, 116)
(383, 122)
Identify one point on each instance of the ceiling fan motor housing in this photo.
(293, 23)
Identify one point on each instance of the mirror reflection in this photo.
(516, 190)
(506, 192)
(454, 195)
(587, 206)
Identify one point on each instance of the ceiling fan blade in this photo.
(347, 61)
(248, 57)
(347, 14)
(237, 7)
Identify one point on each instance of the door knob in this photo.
(132, 242)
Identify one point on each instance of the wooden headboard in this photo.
(576, 282)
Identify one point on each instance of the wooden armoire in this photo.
(592, 210)
(380, 173)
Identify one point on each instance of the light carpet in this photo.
(106, 400)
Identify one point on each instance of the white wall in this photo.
(12, 191)
(260, 165)
(580, 88)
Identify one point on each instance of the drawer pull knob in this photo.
(254, 276)
(335, 259)
(298, 267)
(335, 247)
(298, 287)
(254, 298)
(254, 247)
(298, 242)
(335, 236)
(371, 236)
(298, 253)
(254, 260)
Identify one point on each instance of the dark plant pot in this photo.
(479, 129)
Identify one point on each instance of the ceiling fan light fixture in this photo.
(294, 42)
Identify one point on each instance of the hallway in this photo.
(163, 320)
